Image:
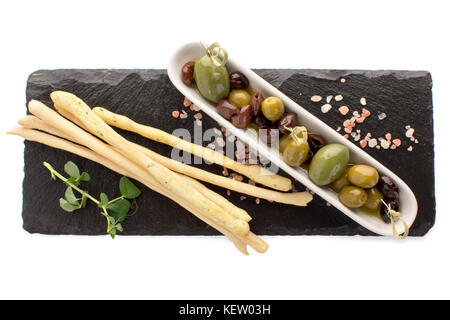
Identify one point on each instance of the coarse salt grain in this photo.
(339, 97)
(382, 116)
(388, 136)
(326, 107)
(365, 113)
(378, 147)
(338, 129)
(187, 102)
(372, 143)
(228, 193)
(329, 98)
(198, 116)
(344, 110)
(183, 114)
(257, 200)
(363, 143)
(175, 114)
(243, 198)
(195, 107)
(348, 129)
(384, 144)
(409, 133)
(363, 101)
(346, 136)
(238, 177)
(316, 98)
(410, 148)
(343, 80)
(360, 119)
(397, 142)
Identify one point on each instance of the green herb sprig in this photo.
(115, 211)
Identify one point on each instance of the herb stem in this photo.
(115, 200)
(61, 177)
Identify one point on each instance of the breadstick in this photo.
(55, 142)
(254, 172)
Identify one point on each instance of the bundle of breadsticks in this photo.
(78, 129)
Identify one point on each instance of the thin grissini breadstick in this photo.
(293, 198)
(76, 134)
(33, 122)
(164, 176)
(254, 172)
(55, 142)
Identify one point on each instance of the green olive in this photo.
(212, 81)
(363, 176)
(239, 98)
(295, 152)
(353, 197)
(282, 143)
(272, 108)
(373, 200)
(341, 182)
(329, 163)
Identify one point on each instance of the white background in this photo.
(407, 35)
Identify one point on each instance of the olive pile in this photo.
(234, 98)
(358, 186)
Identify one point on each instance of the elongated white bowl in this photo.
(408, 202)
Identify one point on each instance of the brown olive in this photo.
(394, 203)
(255, 102)
(187, 73)
(238, 80)
(387, 187)
(260, 121)
(243, 118)
(226, 109)
(316, 142)
(288, 120)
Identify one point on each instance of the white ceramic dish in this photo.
(408, 202)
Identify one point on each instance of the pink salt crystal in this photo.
(316, 98)
(409, 133)
(228, 193)
(348, 129)
(363, 143)
(360, 119)
(175, 114)
(344, 110)
(385, 144)
(393, 146)
(257, 200)
(388, 136)
(410, 148)
(365, 112)
(378, 147)
(187, 102)
(372, 143)
(397, 142)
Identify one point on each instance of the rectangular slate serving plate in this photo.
(148, 97)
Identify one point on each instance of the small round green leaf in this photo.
(128, 189)
(72, 169)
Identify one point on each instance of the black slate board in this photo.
(148, 95)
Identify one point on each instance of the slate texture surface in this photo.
(149, 97)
